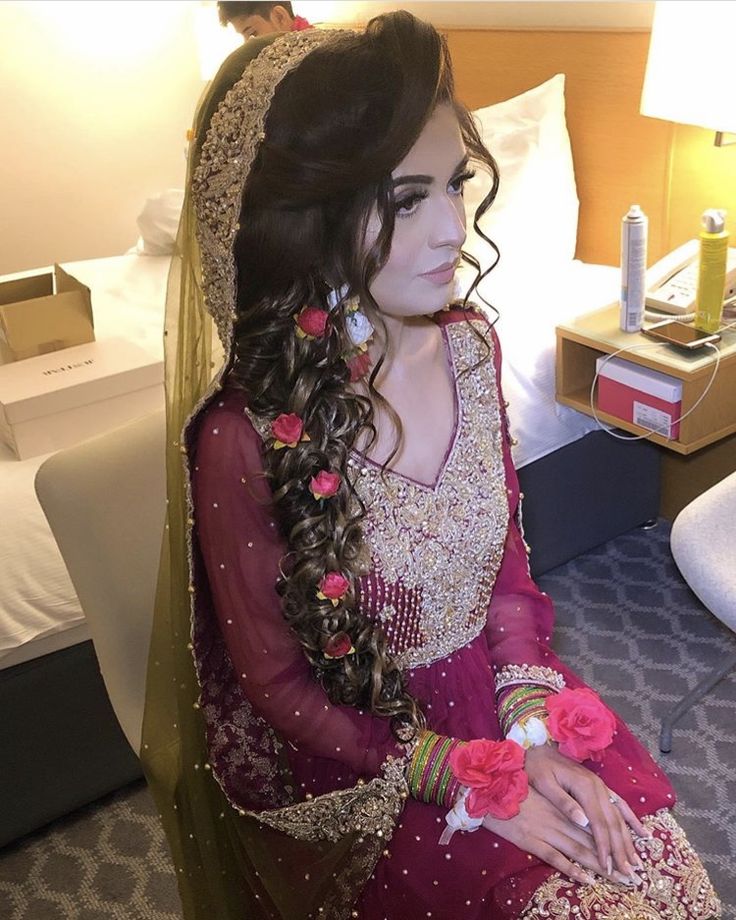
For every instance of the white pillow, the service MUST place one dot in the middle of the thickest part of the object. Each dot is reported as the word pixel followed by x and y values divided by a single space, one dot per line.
pixel 158 223
pixel 534 218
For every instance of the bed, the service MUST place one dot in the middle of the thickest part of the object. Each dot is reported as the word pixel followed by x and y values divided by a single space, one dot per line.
pixel 62 746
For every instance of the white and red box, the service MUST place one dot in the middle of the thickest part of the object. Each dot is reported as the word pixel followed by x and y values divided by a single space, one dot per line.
pixel 640 395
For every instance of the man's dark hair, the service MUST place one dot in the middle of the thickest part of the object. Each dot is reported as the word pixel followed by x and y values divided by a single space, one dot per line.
pixel 226 10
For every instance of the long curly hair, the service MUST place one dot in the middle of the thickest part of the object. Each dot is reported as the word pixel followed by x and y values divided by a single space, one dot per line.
pixel 337 127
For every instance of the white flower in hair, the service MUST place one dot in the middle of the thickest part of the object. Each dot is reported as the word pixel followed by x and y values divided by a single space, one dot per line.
pixel 336 297
pixel 359 327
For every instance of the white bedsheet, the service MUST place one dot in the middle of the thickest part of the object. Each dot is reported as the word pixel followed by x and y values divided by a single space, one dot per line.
pixel 37 600
pixel 530 307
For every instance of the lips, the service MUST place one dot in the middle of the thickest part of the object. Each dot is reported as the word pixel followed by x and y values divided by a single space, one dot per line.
pixel 443 274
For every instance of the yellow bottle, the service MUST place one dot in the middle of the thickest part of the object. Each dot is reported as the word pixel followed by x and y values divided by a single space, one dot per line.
pixel 712 271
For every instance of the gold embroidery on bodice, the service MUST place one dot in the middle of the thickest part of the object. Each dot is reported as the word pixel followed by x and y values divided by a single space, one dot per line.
pixel 436 550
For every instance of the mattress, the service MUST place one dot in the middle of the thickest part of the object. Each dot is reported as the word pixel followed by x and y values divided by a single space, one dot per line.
pixel 39 611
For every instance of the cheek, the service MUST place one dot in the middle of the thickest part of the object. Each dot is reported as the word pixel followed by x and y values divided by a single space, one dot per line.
pixel 460 207
pixel 405 249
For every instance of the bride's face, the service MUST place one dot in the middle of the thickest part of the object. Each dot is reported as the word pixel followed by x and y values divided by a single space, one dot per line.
pixel 429 230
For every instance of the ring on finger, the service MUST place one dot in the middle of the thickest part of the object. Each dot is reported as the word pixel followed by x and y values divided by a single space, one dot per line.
pixel 613 798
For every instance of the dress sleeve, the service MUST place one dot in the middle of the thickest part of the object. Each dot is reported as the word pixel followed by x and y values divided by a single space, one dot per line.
pixel 241 549
pixel 520 616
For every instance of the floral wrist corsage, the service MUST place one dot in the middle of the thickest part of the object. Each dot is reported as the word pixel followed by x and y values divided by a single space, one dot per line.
pixel 493 771
pixel 581 724
pixel 577 720
pixel 494 781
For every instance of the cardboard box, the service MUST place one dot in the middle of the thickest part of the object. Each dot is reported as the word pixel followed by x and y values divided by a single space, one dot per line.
pixel 43 313
pixel 59 399
pixel 640 395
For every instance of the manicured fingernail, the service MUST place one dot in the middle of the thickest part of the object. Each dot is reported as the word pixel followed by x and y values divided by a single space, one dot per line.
pixel 609 865
pixel 587 879
pixel 581 819
pixel 622 879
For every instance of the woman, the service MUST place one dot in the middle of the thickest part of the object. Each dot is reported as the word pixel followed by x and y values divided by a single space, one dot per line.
pixel 362 610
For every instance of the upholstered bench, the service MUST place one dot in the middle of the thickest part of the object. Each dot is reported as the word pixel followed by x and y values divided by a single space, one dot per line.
pixel 703 543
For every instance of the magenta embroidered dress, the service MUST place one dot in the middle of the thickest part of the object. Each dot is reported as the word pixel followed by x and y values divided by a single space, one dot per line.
pixel 450 584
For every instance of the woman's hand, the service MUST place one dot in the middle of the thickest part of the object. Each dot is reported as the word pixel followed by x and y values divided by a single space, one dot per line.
pixel 545 832
pixel 587 802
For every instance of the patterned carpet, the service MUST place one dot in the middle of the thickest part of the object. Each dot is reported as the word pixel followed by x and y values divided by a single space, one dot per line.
pixel 632 629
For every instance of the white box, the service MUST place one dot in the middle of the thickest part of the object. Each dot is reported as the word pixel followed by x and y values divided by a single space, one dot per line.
pixel 63 397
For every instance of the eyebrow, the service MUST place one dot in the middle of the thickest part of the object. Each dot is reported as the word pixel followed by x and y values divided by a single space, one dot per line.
pixel 427 180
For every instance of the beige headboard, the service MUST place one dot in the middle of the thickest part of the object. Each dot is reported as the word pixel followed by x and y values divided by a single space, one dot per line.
pixel 620 156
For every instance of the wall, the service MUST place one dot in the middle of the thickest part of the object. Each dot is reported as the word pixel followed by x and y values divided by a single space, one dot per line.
pixel 516 14
pixel 95 100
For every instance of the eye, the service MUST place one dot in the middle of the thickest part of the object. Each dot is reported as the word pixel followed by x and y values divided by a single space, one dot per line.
pixel 407 204
pixel 458 183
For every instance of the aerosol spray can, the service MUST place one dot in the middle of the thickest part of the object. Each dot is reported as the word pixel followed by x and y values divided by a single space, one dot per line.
pixel 633 268
pixel 711 271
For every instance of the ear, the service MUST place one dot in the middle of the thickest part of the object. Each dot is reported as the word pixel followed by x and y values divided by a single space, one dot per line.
pixel 280 18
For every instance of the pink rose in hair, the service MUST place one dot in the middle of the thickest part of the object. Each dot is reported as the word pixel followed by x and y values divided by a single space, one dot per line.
pixel 338 646
pixel 311 323
pixel 287 430
pixel 333 587
pixel 324 484
pixel 359 365
pixel 580 722
pixel 494 773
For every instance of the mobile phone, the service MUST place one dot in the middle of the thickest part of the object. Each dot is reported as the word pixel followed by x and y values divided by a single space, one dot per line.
pixel 680 334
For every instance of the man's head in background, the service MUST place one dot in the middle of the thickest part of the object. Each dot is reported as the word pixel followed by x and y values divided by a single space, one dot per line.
pixel 251 19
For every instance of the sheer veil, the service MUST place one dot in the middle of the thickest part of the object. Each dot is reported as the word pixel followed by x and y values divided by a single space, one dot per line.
pixel 229 863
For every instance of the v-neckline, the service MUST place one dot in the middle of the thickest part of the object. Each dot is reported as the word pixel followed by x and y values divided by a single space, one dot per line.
pixel 457 424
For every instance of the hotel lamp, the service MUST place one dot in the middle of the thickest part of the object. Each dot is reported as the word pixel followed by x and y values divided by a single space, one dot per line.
pixel 690 74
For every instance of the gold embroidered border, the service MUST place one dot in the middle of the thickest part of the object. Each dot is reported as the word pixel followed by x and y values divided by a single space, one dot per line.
pixel 442 545
pixel 674 885
pixel 512 674
pixel 369 809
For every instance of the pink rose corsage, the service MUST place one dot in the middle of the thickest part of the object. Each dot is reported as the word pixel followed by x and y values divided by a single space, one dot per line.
pixel 338 646
pixel 494 773
pixel 311 323
pixel 580 723
pixel 324 484
pixel 288 431
pixel 333 587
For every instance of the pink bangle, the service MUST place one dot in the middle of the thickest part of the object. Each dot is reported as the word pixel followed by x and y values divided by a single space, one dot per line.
pixel 429 775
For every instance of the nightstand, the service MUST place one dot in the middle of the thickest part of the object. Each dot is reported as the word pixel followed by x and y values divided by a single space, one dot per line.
pixel 710 429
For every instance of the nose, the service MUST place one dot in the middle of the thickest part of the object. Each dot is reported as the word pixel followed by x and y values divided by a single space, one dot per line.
pixel 449 224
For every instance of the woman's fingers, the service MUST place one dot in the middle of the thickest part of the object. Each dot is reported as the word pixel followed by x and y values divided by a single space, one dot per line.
pixel 590 805
pixel 630 818
pixel 551 789
pixel 624 835
pixel 557 860
pixel 542 830
pixel 583 787
pixel 614 846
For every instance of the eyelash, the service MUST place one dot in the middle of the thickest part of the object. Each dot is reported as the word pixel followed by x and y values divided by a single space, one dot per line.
pixel 405 206
pixel 462 179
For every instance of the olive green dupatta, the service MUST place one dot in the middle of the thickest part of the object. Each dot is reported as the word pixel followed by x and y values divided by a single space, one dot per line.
pixel 285 859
